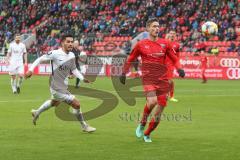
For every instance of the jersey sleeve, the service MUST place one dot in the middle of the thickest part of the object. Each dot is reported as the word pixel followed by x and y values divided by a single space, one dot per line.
pixel 172 54
pixel 178 50
pixel 73 65
pixel 78 74
pixel 46 57
pixel 133 55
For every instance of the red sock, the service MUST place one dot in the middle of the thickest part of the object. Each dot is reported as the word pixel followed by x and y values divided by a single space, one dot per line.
pixel 172 90
pixel 204 77
pixel 151 127
pixel 145 115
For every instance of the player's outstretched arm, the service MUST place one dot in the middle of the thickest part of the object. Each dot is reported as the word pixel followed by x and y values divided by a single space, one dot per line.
pixel 181 73
pixel 28 74
pixel 35 64
pixel 80 76
pixel 173 56
pixel 175 60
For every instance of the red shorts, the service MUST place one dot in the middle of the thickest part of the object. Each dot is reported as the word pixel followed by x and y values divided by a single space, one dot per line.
pixel 160 90
pixel 170 73
pixel 157 89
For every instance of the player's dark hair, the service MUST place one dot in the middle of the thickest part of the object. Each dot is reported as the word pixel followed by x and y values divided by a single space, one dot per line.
pixel 66 35
pixel 18 34
pixel 150 21
pixel 172 30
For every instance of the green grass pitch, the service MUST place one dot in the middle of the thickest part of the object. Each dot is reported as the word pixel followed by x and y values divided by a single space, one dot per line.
pixel 211 131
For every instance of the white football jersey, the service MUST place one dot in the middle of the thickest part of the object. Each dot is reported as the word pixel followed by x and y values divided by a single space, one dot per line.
pixel 62 64
pixel 17 51
pixel 59 57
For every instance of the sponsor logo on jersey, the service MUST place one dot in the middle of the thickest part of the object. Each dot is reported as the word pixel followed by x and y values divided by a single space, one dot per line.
pixel 158 54
pixel 163 45
pixel 147 47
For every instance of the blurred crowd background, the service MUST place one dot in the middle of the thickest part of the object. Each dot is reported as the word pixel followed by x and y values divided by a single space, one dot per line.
pixel 103 24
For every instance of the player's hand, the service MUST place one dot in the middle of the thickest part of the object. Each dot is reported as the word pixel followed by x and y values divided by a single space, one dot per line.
pixel 28 74
pixel 181 73
pixel 122 78
pixel 86 81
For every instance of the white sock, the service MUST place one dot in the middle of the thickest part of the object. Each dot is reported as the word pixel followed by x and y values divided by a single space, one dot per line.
pixel 19 83
pixel 78 114
pixel 13 84
pixel 45 106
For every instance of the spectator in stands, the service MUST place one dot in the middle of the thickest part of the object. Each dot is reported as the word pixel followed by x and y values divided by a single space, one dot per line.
pixel 200 46
pixel 231 34
pixel 82 40
pixel 195 35
pixel 116 17
pixel 238 50
pixel 127 47
pixel 215 50
pixel 232 47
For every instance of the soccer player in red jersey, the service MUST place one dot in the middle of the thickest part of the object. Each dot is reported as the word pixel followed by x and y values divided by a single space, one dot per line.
pixel 171 36
pixel 204 64
pixel 153 52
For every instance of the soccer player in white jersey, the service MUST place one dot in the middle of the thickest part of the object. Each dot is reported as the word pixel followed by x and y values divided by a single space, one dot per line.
pixel 63 63
pixel 16 52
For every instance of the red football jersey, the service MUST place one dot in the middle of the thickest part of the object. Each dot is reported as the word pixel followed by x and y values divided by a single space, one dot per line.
pixel 175 46
pixel 153 55
pixel 204 61
pixel 169 62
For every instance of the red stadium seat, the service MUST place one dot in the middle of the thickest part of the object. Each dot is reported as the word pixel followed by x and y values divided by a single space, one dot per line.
pixel 106 38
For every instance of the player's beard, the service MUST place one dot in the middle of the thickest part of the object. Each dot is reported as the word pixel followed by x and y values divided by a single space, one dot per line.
pixel 155 34
pixel 70 49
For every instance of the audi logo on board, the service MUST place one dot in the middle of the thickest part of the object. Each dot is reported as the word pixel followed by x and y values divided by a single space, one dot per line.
pixel 233 73
pixel 229 62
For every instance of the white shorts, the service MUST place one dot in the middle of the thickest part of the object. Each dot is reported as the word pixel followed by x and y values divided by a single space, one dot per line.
pixel 62 97
pixel 16 70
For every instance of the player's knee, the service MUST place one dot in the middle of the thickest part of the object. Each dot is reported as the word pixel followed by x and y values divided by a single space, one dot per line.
pixel 55 103
pixel 151 103
pixel 75 104
pixel 13 77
